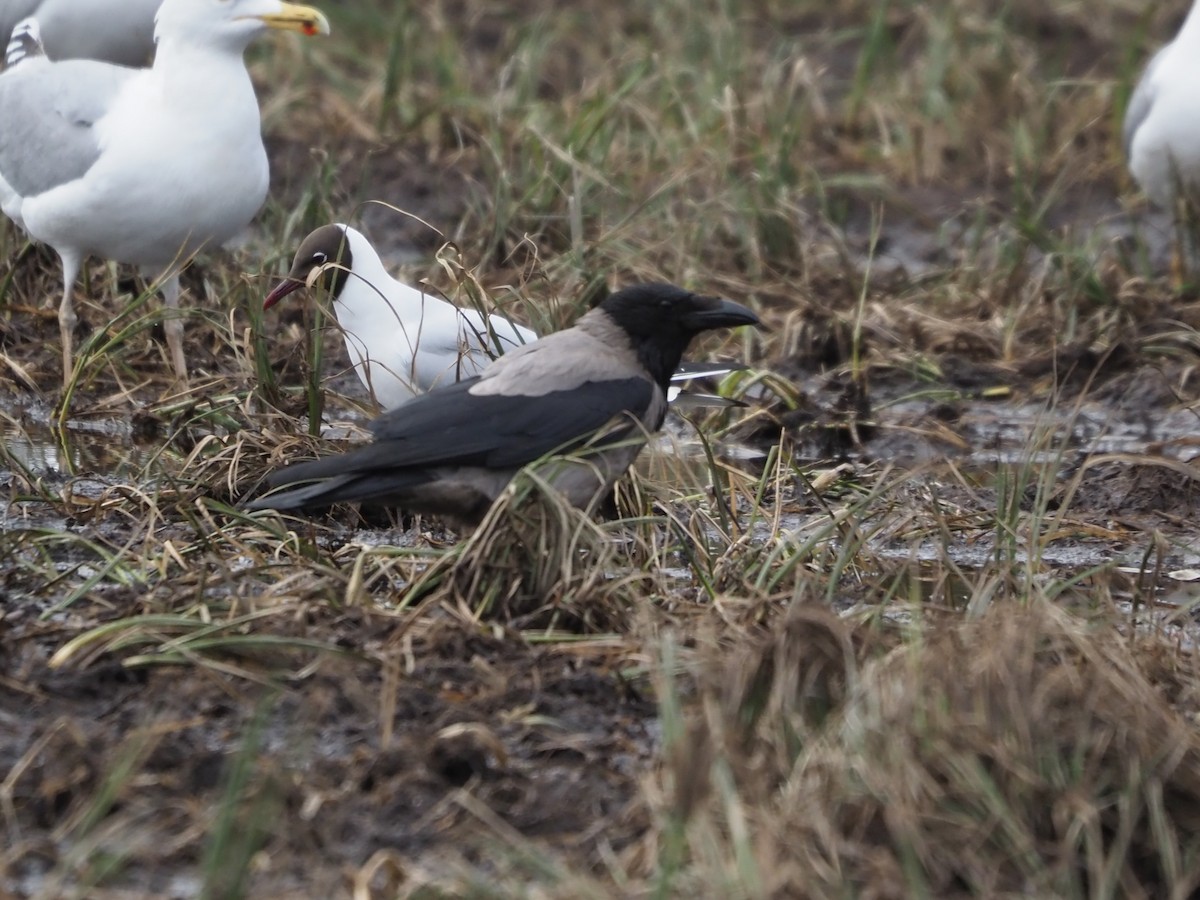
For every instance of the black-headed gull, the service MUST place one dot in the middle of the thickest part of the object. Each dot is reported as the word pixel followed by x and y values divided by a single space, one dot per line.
pixel 401 340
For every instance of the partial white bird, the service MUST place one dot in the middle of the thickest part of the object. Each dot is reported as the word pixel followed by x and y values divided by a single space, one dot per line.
pixel 403 341
pixel 115 31
pixel 1162 120
pixel 143 166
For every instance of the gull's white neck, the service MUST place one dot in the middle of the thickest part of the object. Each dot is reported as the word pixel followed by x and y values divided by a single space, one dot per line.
pixel 372 303
pixel 201 76
pixel 381 321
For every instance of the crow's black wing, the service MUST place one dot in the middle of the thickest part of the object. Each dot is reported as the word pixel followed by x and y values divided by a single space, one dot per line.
pixel 453 427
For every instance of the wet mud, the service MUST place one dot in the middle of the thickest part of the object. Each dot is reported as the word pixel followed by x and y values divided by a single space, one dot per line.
pixel 358 749
pixel 554 740
pixel 362 750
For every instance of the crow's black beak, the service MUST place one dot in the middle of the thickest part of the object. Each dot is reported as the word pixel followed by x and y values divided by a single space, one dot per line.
pixel 715 312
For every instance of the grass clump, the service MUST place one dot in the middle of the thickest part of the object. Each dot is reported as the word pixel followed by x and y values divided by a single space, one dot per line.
pixel 1029 751
pixel 537 562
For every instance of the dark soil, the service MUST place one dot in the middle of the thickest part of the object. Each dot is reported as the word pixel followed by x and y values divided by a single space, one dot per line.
pixel 552 742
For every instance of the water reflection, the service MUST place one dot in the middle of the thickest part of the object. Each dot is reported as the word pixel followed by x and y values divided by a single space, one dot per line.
pixel 31 447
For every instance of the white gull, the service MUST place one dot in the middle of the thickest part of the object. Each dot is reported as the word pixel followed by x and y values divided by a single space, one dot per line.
pixel 142 166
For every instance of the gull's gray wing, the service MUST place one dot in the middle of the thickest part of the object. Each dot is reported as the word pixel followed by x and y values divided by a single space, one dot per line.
pixel 119 32
pixel 1140 102
pixel 49 110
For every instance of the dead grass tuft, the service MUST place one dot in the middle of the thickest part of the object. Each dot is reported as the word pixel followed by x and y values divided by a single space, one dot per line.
pixel 536 562
pixel 1029 752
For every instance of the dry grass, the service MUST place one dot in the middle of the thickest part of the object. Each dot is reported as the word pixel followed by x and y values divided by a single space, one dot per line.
pixel 1026 751
pixel 916 645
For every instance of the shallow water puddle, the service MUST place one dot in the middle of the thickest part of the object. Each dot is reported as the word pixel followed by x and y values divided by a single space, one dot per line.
pixel 34 446
pixel 991 431
pixel 982 553
pixel 987 433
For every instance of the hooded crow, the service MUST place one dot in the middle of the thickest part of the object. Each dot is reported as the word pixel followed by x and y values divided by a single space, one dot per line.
pixel 597 390
pixel 403 341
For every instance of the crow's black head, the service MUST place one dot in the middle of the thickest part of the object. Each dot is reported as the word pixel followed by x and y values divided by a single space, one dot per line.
pixel 661 319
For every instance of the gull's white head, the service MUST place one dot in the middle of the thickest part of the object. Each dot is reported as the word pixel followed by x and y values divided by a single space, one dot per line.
pixel 233 23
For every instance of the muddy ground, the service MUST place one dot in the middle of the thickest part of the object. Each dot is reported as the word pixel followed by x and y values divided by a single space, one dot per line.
pixel 389 758
pixel 552 742
pixel 389 754
pixel 359 743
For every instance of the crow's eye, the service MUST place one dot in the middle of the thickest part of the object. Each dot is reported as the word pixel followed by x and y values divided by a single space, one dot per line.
pixel 319 258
